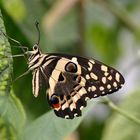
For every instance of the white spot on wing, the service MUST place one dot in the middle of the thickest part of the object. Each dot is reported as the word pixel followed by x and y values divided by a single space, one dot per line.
pixel 109 78
pixel 101 88
pixel 106 73
pixel 92 61
pixel 103 92
pixel 89 89
pixel 87 98
pixel 93 76
pixel 87 77
pixel 118 77
pixel 115 84
pixel 75 114
pixel 104 80
pixel 90 66
pixel 103 68
pixel 92 88
pixel 108 86
pixel 81 107
pixel 66 117
pixel 95 95
pixel 74 59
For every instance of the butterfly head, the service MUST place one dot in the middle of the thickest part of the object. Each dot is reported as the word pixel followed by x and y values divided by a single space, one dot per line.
pixel 34 52
pixel 33 56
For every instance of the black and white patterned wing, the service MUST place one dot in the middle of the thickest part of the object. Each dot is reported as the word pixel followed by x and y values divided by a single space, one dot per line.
pixel 74 80
pixel 100 78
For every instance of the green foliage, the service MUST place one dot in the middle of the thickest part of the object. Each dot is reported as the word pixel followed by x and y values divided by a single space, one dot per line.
pixel 11 110
pixel 119 127
pixel 10 7
pixel 104 39
pixel 51 127
pixel 24 117
pixel 6 63
pixel 6 130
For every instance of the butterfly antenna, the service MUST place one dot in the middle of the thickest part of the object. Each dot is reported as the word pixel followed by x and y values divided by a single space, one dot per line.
pixel 37 27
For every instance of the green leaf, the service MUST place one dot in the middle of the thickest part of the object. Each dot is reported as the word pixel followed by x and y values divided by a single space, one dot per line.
pixel 6 131
pixel 11 109
pixel 104 40
pixel 5 63
pixel 10 6
pixel 120 128
pixel 51 127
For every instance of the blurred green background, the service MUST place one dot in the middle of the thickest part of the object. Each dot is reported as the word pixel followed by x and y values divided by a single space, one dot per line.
pixel 105 30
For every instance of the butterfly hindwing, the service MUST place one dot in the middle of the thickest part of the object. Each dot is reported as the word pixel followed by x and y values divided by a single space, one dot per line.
pixel 62 84
pixel 74 80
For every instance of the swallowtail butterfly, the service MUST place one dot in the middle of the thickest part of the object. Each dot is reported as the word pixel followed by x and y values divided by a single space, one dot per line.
pixel 72 80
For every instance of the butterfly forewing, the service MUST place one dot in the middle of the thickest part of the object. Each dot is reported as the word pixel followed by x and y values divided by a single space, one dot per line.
pixel 74 80
pixel 100 78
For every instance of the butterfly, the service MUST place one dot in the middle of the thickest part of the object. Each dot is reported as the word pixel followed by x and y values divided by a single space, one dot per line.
pixel 72 80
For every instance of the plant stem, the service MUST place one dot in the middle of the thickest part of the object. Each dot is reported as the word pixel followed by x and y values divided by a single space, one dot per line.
pixel 120 111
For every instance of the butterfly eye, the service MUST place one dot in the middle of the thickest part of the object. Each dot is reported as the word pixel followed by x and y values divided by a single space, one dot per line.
pixel 55 101
pixel 71 67
pixel 35 47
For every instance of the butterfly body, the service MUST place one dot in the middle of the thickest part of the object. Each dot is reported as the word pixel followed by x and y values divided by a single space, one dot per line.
pixel 72 80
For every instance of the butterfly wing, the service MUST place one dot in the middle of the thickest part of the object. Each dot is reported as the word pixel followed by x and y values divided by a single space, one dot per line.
pixel 100 78
pixel 74 80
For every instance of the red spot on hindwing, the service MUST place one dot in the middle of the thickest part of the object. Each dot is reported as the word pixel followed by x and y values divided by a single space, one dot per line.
pixel 56 105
